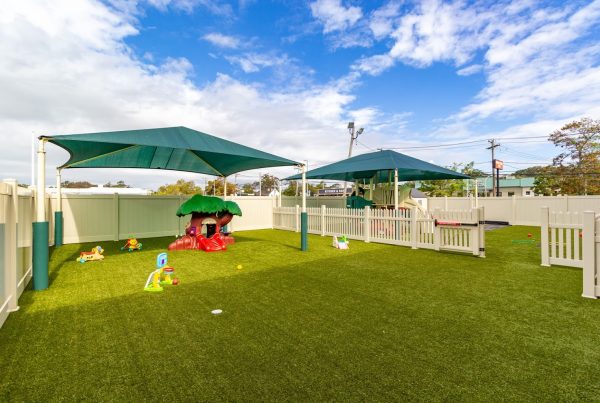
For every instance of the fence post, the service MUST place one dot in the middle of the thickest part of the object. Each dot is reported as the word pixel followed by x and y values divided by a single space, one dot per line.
pixel 437 233
pixel 414 228
pixel 297 218
pixel 481 227
pixel 323 209
pixel 545 222
pixel 116 216
pixel 589 252
pixel 12 240
pixel 367 229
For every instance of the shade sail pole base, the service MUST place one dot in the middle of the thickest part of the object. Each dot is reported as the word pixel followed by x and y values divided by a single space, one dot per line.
pixel 41 226
pixel 303 215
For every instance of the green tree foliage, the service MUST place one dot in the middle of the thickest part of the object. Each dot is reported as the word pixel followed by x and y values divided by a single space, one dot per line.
pixel 451 187
pixel 119 184
pixel 215 188
pixel 248 189
pixel 531 171
pixel 547 182
pixel 267 184
pixel 181 187
pixel 77 185
pixel 579 163
pixel 291 189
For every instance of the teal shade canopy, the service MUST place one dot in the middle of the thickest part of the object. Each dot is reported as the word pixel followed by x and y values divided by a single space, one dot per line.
pixel 172 148
pixel 381 164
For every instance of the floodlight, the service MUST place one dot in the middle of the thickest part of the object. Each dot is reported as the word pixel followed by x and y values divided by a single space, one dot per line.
pixel 360 131
pixel 350 125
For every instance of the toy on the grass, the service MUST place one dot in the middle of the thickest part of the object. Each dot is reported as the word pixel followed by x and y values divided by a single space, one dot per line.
pixel 205 229
pixel 239 267
pixel 132 244
pixel 95 254
pixel 341 243
pixel 163 275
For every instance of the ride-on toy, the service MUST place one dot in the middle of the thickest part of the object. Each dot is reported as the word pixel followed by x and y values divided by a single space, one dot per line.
pixel 132 244
pixel 95 254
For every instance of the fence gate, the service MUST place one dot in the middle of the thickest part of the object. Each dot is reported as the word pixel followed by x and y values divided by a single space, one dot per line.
pixel 572 239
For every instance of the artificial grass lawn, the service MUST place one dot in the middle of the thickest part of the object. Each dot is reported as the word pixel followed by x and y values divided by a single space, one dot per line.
pixel 376 322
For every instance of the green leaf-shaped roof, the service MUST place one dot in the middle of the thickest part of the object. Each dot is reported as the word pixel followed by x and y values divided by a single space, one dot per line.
pixel 208 205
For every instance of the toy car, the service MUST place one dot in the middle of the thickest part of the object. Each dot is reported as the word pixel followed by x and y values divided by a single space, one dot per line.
pixel 95 254
pixel 132 244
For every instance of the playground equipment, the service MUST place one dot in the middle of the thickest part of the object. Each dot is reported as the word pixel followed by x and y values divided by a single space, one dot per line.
pixel 205 229
pixel 341 243
pixel 94 254
pixel 163 275
pixel 132 244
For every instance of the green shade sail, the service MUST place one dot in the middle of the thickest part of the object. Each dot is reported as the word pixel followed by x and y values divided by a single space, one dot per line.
pixel 208 205
pixel 172 148
pixel 381 163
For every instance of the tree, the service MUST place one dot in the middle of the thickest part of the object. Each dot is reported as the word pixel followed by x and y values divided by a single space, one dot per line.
pixel 291 189
pixel 451 187
pixel 77 185
pixel 119 184
pixel 531 171
pixel 248 188
pixel 579 163
pixel 181 187
pixel 215 187
pixel 267 184
pixel 547 182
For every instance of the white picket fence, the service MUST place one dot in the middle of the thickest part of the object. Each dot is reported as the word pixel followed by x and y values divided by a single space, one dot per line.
pixel 436 230
pixel 573 239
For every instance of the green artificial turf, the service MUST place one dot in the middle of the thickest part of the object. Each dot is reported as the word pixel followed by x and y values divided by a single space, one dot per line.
pixel 372 323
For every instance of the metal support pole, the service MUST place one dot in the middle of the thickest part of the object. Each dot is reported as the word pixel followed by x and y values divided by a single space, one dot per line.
pixel 396 189
pixel 40 226
pixel 58 214
pixel 303 215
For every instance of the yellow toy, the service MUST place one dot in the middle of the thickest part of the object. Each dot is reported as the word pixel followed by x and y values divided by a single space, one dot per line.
pixel 163 275
pixel 95 254
pixel 132 244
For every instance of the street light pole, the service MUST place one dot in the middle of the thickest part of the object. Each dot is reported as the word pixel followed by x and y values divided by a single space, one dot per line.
pixel 353 136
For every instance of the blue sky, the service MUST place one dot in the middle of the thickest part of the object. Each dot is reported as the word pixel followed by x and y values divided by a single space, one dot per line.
pixel 287 76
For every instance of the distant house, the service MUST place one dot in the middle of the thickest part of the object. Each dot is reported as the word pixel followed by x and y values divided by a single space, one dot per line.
pixel 508 186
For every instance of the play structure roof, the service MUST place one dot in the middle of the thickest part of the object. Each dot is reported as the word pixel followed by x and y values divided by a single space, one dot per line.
pixel 173 148
pixel 208 205
pixel 381 163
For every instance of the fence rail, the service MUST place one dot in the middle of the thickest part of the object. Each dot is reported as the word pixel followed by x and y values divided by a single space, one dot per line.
pixel 517 210
pixel 459 231
pixel 573 239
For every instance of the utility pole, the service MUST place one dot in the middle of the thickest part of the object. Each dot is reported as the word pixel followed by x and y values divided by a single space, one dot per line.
pixel 259 184
pixel 492 147
pixel 353 136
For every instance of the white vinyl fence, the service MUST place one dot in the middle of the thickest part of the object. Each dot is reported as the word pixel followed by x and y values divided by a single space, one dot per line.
pixel 16 212
pixel 91 218
pixel 517 210
pixel 573 239
pixel 440 230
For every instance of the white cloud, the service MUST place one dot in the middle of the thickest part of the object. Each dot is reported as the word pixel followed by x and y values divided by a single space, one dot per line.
pixel 221 40
pixel 334 15
pixel 472 69
pixel 214 6
pixel 66 69
pixel 254 62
